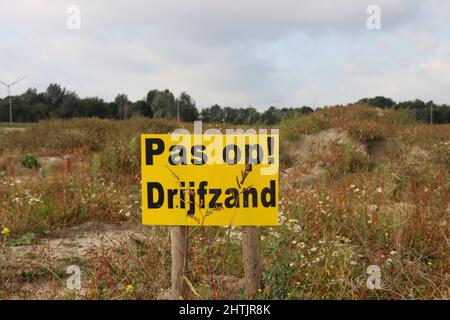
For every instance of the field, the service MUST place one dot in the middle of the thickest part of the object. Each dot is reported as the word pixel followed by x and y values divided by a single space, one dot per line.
pixel 360 186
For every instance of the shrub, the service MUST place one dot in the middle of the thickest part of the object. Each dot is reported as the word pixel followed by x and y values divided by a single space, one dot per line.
pixel 29 161
pixel 292 128
pixel 363 122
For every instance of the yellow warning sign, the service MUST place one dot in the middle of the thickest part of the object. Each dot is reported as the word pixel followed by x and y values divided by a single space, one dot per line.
pixel 210 179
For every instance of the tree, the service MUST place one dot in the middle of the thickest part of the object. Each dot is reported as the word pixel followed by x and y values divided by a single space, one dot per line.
pixel 30 97
pixel 111 110
pixel 243 116
pixel 142 108
pixel 54 96
pixel 271 116
pixel 163 105
pixel 416 104
pixel 252 116
pixel 93 107
pixel 123 106
pixel 4 110
pixel 205 115
pixel 217 113
pixel 379 102
pixel 70 106
pixel 38 112
pixel 188 110
pixel 306 110
pixel 150 96
pixel 229 115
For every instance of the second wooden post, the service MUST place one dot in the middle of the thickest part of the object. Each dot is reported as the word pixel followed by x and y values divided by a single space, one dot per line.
pixel 252 263
pixel 179 239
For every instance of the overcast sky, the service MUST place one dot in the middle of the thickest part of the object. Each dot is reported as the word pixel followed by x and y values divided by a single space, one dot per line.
pixel 237 53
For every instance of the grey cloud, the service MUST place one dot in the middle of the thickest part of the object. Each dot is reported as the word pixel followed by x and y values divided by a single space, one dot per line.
pixel 212 48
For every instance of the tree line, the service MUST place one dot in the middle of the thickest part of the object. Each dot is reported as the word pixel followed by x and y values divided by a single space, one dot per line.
pixel 421 109
pixel 56 102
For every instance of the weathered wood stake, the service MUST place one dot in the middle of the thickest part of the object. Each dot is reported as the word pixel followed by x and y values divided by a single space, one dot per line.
pixel 252 265
pixel 66 164
pixel 178 235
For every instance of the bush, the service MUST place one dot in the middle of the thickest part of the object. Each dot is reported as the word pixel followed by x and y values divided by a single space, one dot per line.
pixel 29 161
pixel 292 128
pixel 363 122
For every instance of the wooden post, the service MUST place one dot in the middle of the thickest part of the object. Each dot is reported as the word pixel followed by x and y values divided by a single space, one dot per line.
pixel 178 235
pixel 66 164
pixel 252 265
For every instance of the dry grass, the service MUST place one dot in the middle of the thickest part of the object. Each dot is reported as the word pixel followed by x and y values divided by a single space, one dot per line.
pixel 358 211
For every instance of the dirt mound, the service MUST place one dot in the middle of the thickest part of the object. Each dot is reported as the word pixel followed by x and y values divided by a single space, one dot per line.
pixel 314 150
pixel 300 150
pixel 312 177
pixel 312 155
pixel 380 150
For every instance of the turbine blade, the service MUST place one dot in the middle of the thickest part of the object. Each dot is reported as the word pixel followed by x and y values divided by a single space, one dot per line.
pixel 18 81
pixel 4 83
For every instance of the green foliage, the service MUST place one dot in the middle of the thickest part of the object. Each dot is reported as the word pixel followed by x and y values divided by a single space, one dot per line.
pixel 58 102
pixel 379 102
pixel 163 105
pixel 363 122
pixel 278 272
pixel 250 116
pixel 420 109
pixel 293 127
pixel 213 114
pixel 188 110
pixel 271 116
pixel 96 165
pixel 29 161
pixel 26 239
pixel 123 106
pixel 54 95
pixel 401 117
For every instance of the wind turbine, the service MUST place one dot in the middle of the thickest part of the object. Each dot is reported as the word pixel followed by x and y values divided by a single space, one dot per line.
pixel 9 94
